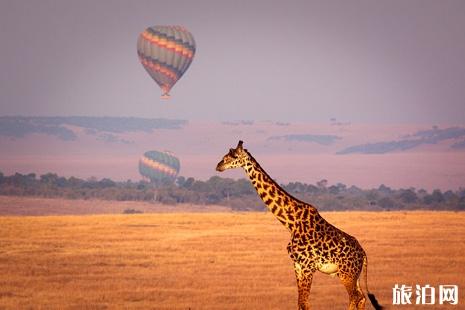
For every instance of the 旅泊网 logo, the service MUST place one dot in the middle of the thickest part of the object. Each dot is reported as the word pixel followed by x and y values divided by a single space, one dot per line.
pixel 425 295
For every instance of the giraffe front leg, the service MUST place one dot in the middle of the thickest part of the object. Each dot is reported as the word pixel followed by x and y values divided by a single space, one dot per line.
pixel 304 283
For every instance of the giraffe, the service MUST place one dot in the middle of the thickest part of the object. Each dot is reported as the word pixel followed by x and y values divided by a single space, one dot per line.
pixel 315 244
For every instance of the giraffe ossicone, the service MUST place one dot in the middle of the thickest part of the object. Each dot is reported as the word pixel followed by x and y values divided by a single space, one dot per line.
pixel 315 244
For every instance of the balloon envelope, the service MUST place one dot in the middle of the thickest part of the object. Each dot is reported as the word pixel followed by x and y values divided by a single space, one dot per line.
pixel 166 52
pixel 159 166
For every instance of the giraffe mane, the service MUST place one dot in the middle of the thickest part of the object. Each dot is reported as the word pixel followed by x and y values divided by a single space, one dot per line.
pixel 279 187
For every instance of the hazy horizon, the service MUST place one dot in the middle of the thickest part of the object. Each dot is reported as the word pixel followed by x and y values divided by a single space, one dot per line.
pixel 399 156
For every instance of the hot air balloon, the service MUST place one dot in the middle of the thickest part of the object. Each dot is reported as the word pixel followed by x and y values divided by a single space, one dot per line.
pixel 159 167
pixel 166 52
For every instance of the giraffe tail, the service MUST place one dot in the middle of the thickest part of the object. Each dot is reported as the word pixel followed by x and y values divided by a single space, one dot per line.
pixel 371 296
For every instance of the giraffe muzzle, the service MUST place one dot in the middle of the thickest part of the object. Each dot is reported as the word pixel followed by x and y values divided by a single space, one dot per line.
pixel 220 167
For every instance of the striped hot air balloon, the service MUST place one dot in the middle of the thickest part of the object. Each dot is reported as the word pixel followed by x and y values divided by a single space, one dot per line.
pixel 166 52
pixel 159 167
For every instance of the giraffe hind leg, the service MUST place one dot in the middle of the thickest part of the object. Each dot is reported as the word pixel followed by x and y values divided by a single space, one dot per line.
pixel 356 297
pixel 362 300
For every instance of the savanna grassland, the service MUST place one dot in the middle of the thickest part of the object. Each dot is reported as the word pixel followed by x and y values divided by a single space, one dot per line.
pixel 210 260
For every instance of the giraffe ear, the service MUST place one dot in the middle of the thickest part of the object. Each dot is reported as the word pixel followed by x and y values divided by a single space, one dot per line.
pixel 239 145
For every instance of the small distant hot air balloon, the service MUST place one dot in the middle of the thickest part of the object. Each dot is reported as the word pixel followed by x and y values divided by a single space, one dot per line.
pixel 159 167
pixel 166 52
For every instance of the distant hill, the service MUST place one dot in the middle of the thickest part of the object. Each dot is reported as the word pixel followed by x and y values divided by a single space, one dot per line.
pixel 20 126
pixel 422 137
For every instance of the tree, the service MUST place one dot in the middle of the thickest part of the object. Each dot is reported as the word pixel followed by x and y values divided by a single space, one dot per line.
pixel 334 190
pixel 75 182
pixel 450 196
pixel 386 203
pixel 61 182
pixel 189 182
pixel 49 178
pixel 322 184
pixel 462 203
pixel 105 183
pixel 244 187
pixel 312 189
pixel 408 196
pixel 428 199
pixel 142 185
pixel 180 181
pixel 372 195
pixel 437 196
pixel 385 189
pixel 342 187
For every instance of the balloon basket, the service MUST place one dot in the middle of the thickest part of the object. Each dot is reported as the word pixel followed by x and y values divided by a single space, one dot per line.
pixel 165 96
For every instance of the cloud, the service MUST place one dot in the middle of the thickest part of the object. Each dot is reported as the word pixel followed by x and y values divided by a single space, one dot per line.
pixel 18 126
pixel 320 139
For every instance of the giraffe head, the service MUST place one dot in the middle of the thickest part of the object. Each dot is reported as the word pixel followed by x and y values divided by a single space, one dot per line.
pixel 234 158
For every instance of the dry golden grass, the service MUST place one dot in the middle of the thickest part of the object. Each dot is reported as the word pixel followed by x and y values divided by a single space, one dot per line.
pixel 210 260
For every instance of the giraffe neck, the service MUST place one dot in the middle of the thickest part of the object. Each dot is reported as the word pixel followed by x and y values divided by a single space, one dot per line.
pixel 280 203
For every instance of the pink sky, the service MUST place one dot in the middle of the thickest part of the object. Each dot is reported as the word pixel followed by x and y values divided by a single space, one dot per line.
pixel 309 61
